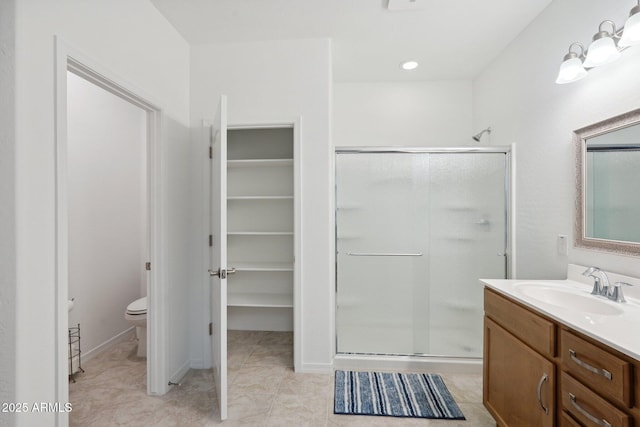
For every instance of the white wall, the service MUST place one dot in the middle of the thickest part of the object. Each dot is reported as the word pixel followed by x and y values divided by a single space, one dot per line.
pixel 274 81
pixel 154 59
pixel 7 208
pixel 435 113
pixel 107 139
pixel 518 96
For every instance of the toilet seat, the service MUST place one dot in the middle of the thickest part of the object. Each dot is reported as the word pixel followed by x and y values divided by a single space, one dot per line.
pixel 138 307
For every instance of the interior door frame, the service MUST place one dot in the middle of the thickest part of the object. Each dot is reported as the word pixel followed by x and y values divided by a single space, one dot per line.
pixel 68 59
pixel 296 125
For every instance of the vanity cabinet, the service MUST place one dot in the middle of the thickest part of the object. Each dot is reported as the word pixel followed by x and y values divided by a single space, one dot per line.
pixel 540 372
pixel 519 381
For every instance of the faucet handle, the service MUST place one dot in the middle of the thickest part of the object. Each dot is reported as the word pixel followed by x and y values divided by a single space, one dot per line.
pixel 596 286
pixel 616 293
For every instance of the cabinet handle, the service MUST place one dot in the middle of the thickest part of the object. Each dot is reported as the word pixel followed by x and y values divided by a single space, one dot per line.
pixel 599 421
pixel 598 371
pixel 544 378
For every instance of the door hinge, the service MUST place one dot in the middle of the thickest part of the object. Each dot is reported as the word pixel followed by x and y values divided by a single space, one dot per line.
pixel 210 328
pixel 210 152
pixel 147 266
pixel 210 240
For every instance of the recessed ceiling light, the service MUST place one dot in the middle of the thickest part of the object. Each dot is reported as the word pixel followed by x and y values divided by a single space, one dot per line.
pixel 409 65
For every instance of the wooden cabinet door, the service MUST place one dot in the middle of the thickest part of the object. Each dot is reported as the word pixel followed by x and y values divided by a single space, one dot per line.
pixel 519 384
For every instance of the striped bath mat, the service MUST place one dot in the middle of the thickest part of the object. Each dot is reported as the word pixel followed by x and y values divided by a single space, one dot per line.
pixel 394 395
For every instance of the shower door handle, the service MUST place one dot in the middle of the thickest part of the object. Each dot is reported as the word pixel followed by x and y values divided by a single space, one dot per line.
pixel 501 254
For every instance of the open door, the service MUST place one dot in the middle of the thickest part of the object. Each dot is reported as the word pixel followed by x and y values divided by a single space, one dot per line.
pixel 218 264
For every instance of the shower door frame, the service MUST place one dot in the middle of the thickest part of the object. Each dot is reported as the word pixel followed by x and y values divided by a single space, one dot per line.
pixel 509 193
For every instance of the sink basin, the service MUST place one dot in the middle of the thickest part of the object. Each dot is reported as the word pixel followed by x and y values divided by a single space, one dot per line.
pixel 569 298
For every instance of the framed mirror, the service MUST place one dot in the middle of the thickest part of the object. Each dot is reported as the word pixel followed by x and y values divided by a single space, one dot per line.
pixel 608 185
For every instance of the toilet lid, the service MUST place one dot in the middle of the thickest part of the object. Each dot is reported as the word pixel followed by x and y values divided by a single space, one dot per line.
pixel 139 306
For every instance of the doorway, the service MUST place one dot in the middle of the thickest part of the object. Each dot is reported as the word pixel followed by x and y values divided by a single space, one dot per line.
pixel 71 63
pixel 108 216
pixel 254 206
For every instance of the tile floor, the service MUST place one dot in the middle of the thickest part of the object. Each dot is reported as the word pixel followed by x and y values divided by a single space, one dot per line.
pixel 263 391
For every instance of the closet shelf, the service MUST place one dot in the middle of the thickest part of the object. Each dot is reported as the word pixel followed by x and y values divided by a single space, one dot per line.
pixel 259 233
pixel 260 300
pixel 261 266
pixel 348 207
pixel 460 208
pixel 247 163
pixel 458 238
pixel 259 197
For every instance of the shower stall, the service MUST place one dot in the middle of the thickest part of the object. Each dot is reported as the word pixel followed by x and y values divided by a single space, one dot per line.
pixel 415 230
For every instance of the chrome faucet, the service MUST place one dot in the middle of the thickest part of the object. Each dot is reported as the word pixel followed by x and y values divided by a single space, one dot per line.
pixel 600 284
pixel 602 287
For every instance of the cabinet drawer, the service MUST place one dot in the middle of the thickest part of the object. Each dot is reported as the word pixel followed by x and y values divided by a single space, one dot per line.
pixel 567 421
pixel 588 408
pixel 597 368
pixel 537 332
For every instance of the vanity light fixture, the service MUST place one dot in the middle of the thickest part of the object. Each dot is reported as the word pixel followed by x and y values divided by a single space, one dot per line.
pixel 572 69
pixel 409 65
pixel 605 48
pixel 631 34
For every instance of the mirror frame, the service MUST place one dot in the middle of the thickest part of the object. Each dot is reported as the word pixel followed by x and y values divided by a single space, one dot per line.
pixel 580 137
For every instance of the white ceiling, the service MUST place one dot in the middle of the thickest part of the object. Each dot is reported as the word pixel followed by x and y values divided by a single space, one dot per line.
pixel 451 39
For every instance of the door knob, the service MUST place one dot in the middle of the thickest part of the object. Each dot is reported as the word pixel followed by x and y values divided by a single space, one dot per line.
pixel 221 272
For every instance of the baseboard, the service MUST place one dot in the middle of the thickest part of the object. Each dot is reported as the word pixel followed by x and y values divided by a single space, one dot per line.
pixel 88 355
pixel 177 376
pixel 198 364
pixel 315 368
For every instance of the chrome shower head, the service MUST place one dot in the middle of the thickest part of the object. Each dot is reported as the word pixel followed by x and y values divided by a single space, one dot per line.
pixel 477 136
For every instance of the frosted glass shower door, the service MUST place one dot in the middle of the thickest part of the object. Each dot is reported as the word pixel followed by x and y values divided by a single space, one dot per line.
pixel 468 240
pixel 414 233
pixel 382 251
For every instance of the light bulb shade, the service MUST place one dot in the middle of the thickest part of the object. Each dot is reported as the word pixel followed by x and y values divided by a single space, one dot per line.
pixel 602 51
pixel 571 70
pixel 631 34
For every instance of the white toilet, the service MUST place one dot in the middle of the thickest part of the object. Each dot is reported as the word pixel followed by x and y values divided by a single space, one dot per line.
pixel 136 315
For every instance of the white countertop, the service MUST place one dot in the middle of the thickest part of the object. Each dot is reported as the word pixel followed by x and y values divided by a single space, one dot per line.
pixel 620 331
